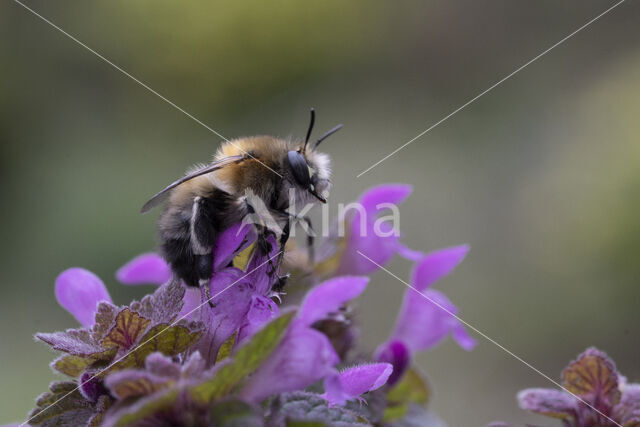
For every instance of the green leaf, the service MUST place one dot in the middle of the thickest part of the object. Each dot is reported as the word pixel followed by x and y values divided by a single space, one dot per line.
pixel 235 413
pixel 417 416
pixel 74 366
pixel 137 387
pixel 246 359
pixel 412 388
pixel 144 408
pixel 62 405
pixel 169 340
pixel 226 348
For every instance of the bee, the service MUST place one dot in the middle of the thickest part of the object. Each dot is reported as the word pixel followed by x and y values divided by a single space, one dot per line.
pixel 209 199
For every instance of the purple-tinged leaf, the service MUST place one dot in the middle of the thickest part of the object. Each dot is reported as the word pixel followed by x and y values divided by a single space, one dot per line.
pixel 163 338
pixel 133 383
pixel 78 342
pixel 63 405
pixel 154 409
pixel 159 364
pixel 308 409
pixel 593 376
pixel 128 329
pixel 101 407
pixel 627 412
pixel 163 305
pixel 105 319
pixel 549 402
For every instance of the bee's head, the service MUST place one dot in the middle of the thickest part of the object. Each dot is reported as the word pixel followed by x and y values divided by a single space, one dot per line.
pixel 310 169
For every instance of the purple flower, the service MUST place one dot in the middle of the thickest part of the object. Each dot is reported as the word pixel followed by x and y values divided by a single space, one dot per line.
pixel 305 355
pixel 603 398
pixel 79 291
pixel 151 268
pixel 241 299
pixel 350 383
pixel 425 317
pixel 147 268
pixel 366 232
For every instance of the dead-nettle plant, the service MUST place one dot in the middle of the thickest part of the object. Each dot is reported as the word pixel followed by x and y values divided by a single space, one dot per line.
pixel 258 358
pixel 593 394
pixel 384 215
pixel 255 358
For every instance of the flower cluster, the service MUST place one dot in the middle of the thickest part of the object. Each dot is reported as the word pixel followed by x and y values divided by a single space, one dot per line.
pixel 251 359
pixel 594 394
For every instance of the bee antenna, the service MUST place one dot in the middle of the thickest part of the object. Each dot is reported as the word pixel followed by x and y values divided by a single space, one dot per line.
pixel 311 123
pixel 327 135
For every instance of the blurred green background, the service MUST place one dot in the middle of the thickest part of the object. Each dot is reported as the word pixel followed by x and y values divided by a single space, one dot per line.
pixel 541 176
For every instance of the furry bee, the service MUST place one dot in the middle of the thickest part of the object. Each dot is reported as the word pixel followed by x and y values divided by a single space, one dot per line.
pixel 209 199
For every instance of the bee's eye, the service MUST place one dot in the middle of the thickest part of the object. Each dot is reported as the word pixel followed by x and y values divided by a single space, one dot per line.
pixel 299 168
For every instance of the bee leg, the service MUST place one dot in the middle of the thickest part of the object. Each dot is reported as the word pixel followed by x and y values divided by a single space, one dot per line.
pixel 204 265
pixel 284 237
pixel 264 247
pixel 310 241
pixel 202 240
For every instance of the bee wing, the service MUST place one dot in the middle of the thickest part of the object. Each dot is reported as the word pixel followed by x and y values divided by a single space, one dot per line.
pixel 219 164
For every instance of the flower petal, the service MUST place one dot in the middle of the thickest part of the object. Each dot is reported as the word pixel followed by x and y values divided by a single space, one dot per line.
pixel 192 302
pixel 408 253
pixel 351 383
pixel 302 358
pixel 261 310
pixel 549 402
pixel 436 265
pixel 147 268
pixel 231 296
pixel 386 193
pixel 397 354
pixel 79 291
pixel 329 297
pixel 426 320
pixel 462 337
pixel 361 237
pixel 232 241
